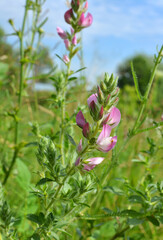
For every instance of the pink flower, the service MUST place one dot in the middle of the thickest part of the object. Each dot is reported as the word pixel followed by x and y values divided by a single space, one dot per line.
pixel 80 120
pixel 61 33
pixel 105 142
pixel 74 40
pixel 113 117
pixel 66 59
pixel 68 15
pixel 162 117
pixel 92 98
pixel 90 163
pixel 67 44
pixel 85 21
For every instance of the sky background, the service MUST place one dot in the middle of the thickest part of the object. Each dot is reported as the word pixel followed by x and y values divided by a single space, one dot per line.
pixel 120 29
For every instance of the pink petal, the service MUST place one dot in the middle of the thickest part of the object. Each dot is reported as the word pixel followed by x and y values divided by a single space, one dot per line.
pixel 67 43
pixel 68 15
pixel 61 33
pixel 94 161
pixel 74 40
pixel 93 97
pixel 66 59
pixel 85 21
pixel 105 133
pixel 107 144
pixel 80 120
pixel 113 117
pixel 88 167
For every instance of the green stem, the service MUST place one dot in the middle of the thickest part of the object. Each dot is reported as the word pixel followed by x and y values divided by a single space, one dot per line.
pixel 59 188
pixel 119 234
pixel 21 37
pixel 146 95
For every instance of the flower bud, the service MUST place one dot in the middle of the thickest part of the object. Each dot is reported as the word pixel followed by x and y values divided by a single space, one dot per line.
pixel 85 21
pixel 74 40
pixel 86 130
pixel 67 44
pixel 75 5
pixel 103 87
pixel 61 33
pixel 69 16
pixel 101 113
pixel 66 59
pixel 100 95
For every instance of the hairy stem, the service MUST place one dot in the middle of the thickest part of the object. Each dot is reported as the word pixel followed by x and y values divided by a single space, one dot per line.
pixel 21 38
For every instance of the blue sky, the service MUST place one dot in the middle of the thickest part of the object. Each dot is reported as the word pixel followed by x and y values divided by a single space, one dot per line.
pixel 119 30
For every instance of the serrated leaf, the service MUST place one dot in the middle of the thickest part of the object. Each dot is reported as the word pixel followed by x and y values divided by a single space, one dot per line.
pixel 153 220
pixel 43 181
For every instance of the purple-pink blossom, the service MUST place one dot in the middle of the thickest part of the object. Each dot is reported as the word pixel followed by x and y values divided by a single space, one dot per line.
pixel 113 117
pixel 74 40
pixel 67 44
pixel 80 120
pixel 61 33
pixel 66 59
pixel 104 142
pixel 68 15
pixel 85 21
pixel 92 98
pixel 90 163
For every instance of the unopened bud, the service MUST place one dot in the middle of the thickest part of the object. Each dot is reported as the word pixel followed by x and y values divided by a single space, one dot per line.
pixel 103 87
pixel 106 78
pixel 101 113
pixel 100 95
pixel 86 130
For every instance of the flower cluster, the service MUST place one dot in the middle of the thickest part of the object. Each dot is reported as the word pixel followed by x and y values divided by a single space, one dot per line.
pixel 105 116
pixel 75 16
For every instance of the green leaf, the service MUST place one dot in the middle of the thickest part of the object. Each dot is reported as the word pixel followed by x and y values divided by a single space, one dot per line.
pixel 131 213
pixel 72 79
pixel 81 69
pixel 114 190
pixel 24 176
pixel 43 181
pixel 35 236
pixel 71 140
pixel 107 210
pixel 136 83
pixel 34 218
pixel 60 58
pixel 136 199
pixel 67 233
pixel 153 220
pixel 135 221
